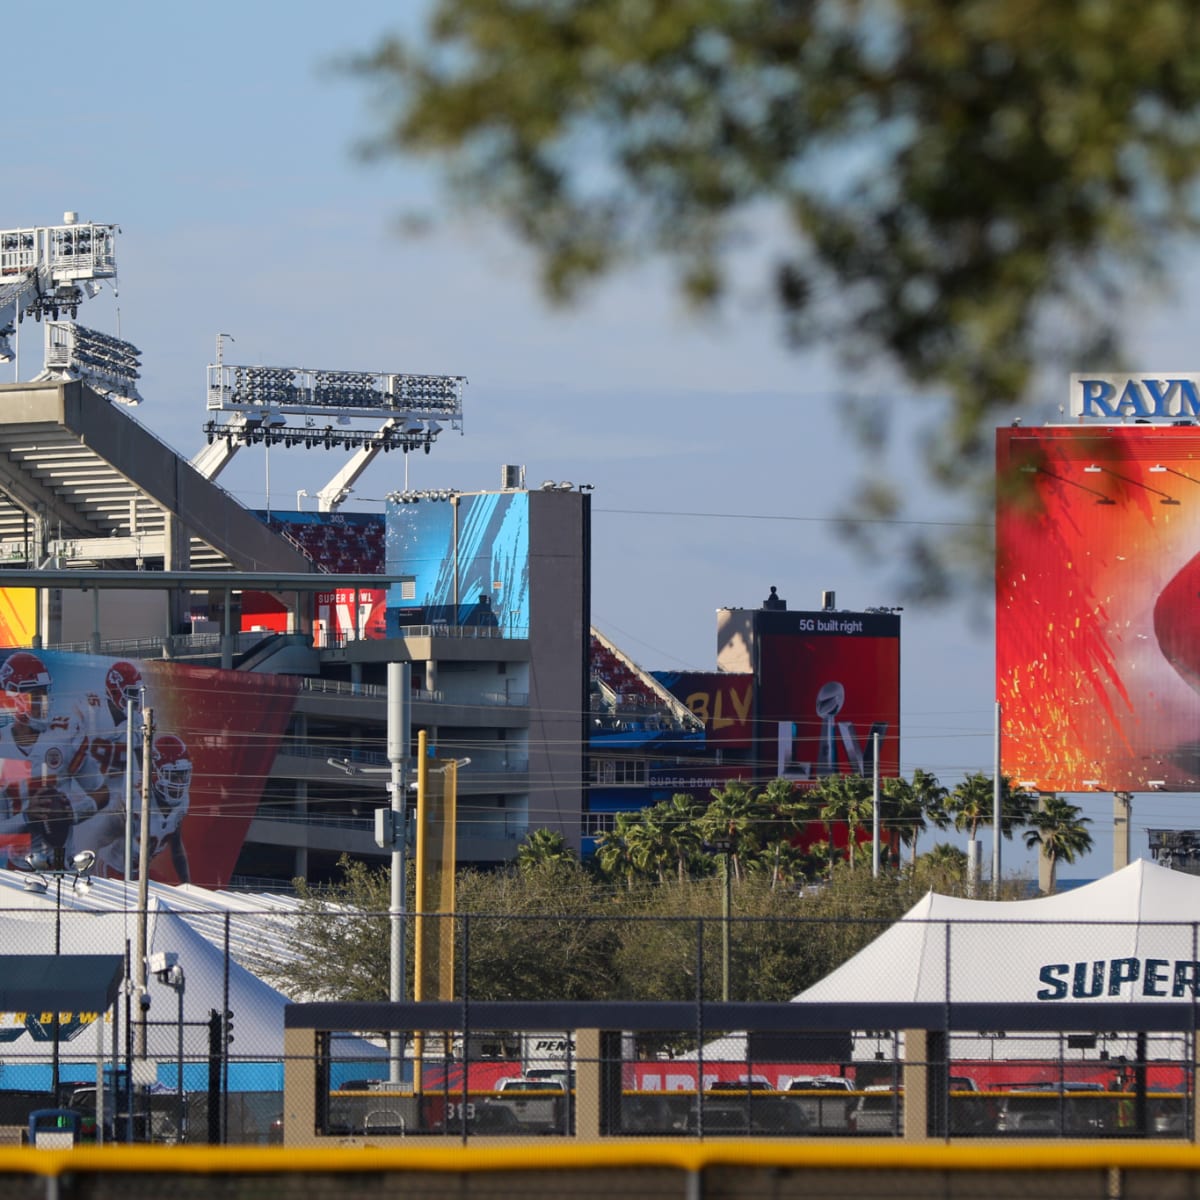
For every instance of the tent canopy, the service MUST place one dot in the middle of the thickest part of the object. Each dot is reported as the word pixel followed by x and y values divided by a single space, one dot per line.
pixel 1133 935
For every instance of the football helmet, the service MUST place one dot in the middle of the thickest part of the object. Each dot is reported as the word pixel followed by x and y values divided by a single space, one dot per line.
pixel 172 770
pixel 26 682
pixel 122 683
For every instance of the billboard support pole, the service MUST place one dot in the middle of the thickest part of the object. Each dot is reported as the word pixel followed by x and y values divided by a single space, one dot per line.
pixel 997 790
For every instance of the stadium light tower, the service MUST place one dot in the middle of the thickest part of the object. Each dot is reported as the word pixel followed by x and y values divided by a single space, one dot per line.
pixel 317 409
pixel 46 271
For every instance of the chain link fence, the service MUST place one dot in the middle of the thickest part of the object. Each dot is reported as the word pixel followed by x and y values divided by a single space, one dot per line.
pixel 219 1029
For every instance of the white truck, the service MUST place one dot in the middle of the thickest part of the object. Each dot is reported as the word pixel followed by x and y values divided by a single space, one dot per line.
pixel 548 1055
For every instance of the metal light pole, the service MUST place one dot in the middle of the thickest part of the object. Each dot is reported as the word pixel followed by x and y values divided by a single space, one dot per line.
pixel 997 815
pixel 875 806
pixel 399 742
pixel 139 962
pixel 391 833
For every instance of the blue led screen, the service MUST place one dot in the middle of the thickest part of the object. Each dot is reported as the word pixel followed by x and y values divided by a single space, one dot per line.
pixel 468 563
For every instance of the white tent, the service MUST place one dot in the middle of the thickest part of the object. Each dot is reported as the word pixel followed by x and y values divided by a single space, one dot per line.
pixel 1132 935
pixel 186 922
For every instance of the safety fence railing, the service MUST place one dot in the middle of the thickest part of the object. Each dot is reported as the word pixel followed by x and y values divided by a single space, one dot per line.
pixel 734 1169
pixel 1098 1042
pixel 583 1070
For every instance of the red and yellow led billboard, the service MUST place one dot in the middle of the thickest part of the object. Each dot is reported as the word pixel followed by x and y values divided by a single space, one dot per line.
pixel 1098 606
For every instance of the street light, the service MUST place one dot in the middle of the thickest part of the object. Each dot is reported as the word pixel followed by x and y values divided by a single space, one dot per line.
pixel 391 833
pixel 39 866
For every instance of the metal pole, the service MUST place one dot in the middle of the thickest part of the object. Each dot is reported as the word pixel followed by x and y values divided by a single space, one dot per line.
pixel 130 760
pixel 139 965
pixel 399 744
pixel 875 806
pixel 182 982
pixel 725 912
pixel 54 1065
pixel 996 815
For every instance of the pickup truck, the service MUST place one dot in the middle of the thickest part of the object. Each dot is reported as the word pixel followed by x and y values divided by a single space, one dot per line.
pixel 827 1101
pixel 539 1105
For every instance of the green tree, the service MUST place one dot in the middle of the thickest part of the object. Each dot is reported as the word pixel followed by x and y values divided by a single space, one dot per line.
pixel 1058 829
pixel 540 934
pixel 650 844
pixel 942 869
pixel 614 854
pixel 338 945
pixel 954 187
pixel 542 847
pixel 729 819
pixel 679 817
pixel 972 805
pixel 848 799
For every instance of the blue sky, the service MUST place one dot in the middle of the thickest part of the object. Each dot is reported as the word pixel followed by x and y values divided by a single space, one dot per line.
pixel 221 140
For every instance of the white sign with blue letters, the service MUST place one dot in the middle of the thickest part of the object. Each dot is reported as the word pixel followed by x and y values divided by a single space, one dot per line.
pixel 1147 396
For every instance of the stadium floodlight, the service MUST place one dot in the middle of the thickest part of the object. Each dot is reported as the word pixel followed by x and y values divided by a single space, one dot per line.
pixel 50 270
pixel 105 363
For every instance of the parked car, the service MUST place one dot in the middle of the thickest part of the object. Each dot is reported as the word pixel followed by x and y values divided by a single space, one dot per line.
pixel 753 1113
pixel 1167 1110
pixel 746 1083
pixel 559 1075
pixel 827 1101
pixel 970 1111
pixel 539 1105
pixel 1067 1109
pixel 880 1109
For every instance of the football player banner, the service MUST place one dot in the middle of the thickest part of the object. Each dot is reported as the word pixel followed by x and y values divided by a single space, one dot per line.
pixel 66 770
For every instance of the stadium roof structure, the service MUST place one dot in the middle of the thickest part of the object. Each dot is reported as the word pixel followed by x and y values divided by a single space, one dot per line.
pixel 107 493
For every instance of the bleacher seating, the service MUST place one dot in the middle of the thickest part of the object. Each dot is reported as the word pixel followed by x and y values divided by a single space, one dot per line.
pixel 351 544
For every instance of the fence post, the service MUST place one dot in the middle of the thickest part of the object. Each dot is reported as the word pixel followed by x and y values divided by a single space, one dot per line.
pixel 699 1026
pixel 466 1022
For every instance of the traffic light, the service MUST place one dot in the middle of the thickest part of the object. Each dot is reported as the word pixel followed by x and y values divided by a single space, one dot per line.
pixel 228 1026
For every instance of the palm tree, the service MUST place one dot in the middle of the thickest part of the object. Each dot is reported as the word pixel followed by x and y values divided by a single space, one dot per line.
pixel 782 861
pixel 727 820
pixel 972 804
pixel 1059 828
pixel 613 853
pixel 649 842
pixel 680 820
pixel 542 847
pixel 931 796
pixel 846 798
pixel 903 817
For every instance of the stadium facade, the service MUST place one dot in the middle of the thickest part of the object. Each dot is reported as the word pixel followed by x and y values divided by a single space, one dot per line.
pixel 236 631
